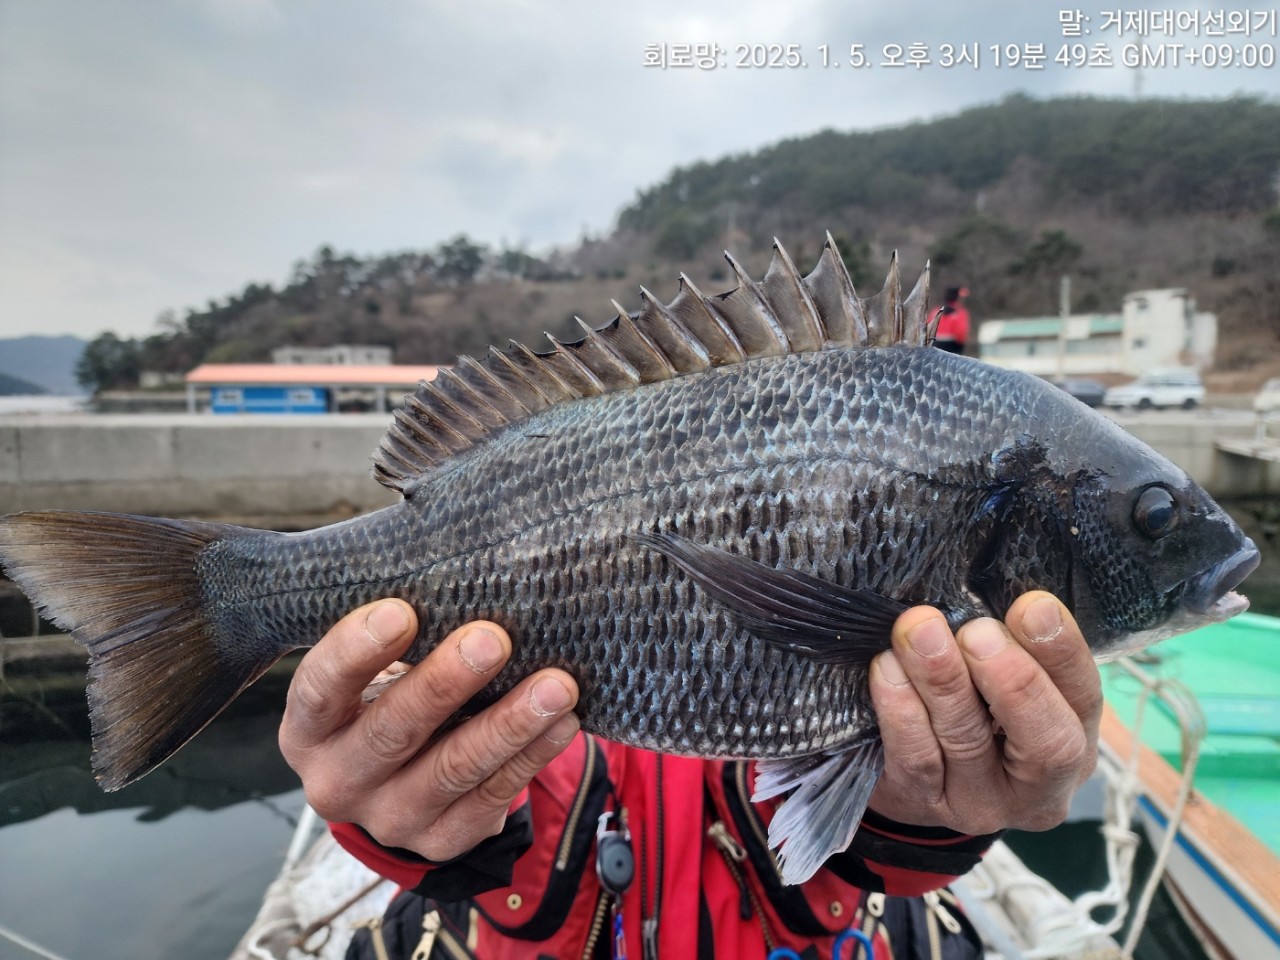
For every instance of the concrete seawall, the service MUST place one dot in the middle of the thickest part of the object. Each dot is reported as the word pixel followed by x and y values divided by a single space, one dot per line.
pixel 318 466
pixel 184 465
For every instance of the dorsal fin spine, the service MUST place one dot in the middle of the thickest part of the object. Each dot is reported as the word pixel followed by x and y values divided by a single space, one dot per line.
pixel 915 311
pixel 784 312
pixel 628 328
pixel 429 426
pixel 810 318
pixel 504 396
pixel 484 409
pixel 506 369
pixel 656 316
pixel 591 385
pixel 705 309
pixel 541 376
pixel 449 410
pixel 759 331
pixel 599 340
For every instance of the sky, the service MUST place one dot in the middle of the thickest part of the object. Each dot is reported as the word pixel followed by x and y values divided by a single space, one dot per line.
pixel 155 156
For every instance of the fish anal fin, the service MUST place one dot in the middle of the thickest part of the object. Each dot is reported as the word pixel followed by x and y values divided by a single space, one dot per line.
pixel 808 616
pixel 829 793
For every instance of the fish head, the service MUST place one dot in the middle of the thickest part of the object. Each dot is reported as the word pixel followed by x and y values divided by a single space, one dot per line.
pixel 1152 555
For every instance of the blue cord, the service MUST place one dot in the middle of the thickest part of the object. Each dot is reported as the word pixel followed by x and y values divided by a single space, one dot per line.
pixel 786 953
pixel 853 934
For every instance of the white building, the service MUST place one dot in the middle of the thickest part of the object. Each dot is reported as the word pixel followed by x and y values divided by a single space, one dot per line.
pixel 342 354
pixel 1155 328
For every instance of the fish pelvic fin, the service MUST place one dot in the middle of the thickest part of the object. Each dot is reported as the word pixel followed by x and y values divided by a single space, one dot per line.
pixel 829 794
pixel 783 313
pixel 128 588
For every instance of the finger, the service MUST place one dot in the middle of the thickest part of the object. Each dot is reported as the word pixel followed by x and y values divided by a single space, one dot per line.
pixel 913 767
pixel 1045 746
pixel 471 754
pixel 397 725
pixel 453 832
pixel 927 650
pixel 1047 630
pixel 326 689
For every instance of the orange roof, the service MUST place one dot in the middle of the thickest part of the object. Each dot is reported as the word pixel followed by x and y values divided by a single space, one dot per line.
pixel 324 374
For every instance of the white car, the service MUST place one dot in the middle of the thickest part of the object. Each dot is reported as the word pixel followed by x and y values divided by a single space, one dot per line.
pixel 1178 387
pixel 1268 398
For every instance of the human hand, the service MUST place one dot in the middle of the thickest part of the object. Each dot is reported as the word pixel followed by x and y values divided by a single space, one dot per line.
pixel 990 728
pixel 365 763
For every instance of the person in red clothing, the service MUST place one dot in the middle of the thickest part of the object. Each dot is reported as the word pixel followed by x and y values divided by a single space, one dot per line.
pixel 506 830
pixel 953 321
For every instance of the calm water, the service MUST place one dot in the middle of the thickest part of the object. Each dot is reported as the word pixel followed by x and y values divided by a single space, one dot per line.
pixel 41 403
pixel 175 866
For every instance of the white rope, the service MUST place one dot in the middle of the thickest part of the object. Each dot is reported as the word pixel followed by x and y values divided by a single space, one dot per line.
pixel 1120 843
pixel 1063 928
pixel 1191 725
pixel 29 945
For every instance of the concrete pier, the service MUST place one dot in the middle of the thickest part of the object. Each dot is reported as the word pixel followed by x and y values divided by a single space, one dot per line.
pixel 192 465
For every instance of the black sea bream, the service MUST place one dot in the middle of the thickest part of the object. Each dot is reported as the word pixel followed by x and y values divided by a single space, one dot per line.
pixel 709 512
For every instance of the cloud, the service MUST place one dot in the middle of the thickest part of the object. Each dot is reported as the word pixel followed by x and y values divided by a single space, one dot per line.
pixel 159 155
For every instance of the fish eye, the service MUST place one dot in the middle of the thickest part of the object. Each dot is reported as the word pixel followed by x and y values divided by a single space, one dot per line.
pixel 1156 513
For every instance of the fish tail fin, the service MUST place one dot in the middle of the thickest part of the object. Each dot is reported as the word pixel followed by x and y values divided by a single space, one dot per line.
pixel 821 816
pixel 128 588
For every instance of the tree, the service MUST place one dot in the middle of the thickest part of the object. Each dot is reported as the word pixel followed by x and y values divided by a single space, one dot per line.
pixel 108 363
pixel 1054 252
pixel 459 260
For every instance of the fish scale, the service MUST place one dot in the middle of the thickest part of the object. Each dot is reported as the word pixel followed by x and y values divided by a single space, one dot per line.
pixel 647 645
pixel 710 513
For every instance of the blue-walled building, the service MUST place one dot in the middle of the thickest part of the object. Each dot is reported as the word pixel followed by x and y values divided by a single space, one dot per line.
pixel 269 400
pixel 280 388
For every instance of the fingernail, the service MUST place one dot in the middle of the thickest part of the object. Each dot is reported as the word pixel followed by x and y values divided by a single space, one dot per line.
pixel 480 649
pixel 563 730
pixel 983 638
pixel 1042 620
pixel 891 670
pixel 386 623
pixel 929 639
pixel 548 697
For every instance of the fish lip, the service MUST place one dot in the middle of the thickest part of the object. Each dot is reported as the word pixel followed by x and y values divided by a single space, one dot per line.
pixel 1213 592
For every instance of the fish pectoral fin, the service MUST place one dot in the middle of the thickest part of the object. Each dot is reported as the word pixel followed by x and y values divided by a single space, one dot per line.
pixel 810 617
pixel 830 792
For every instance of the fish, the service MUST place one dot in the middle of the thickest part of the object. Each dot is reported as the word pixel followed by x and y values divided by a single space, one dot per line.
pixel 710 512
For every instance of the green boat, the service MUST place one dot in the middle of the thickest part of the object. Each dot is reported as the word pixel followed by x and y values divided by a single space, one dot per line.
pixel 1209 702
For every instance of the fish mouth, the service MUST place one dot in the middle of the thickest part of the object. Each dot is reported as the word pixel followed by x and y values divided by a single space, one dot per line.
pixel 1212 593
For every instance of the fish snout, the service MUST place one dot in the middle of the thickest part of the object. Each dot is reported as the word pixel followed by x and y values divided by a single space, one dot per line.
pixel 1209 589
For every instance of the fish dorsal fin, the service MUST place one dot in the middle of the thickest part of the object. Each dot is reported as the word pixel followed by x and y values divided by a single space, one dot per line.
pixel 780 314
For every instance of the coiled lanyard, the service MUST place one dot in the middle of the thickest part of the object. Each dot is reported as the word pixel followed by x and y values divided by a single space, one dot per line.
pixel 861 939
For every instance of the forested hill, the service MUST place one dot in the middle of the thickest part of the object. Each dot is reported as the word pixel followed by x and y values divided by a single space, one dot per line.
pixel 14 386
pixel 1004 199
pixel 1138 159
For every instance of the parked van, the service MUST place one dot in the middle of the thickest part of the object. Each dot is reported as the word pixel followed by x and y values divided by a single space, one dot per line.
pixel 1175 387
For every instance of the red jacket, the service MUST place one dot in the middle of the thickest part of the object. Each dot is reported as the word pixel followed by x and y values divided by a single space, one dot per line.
pixel 702 867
